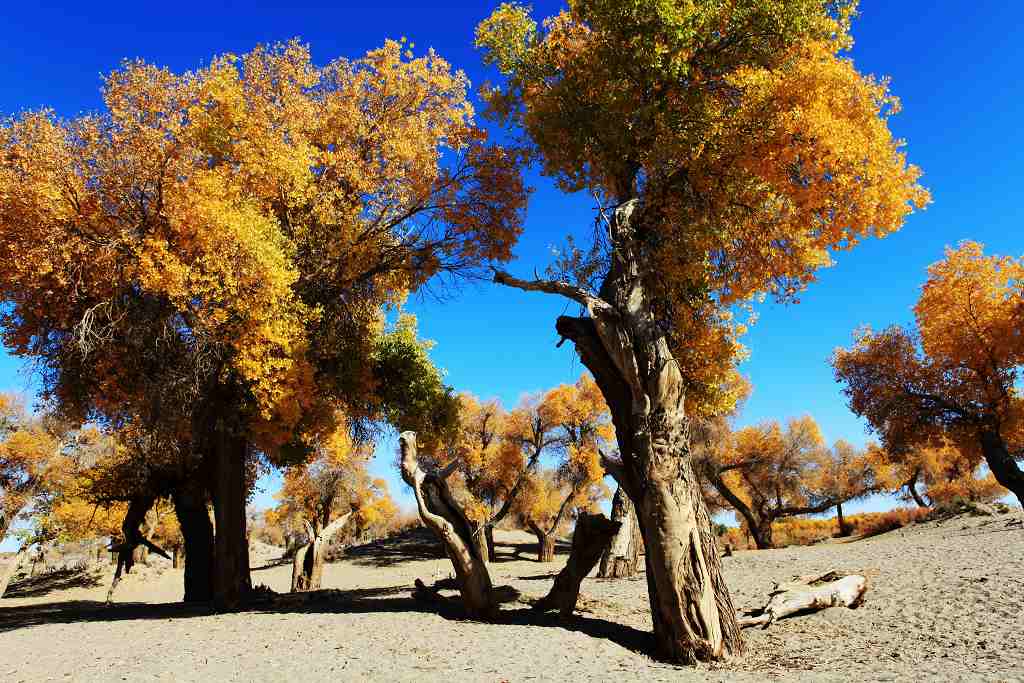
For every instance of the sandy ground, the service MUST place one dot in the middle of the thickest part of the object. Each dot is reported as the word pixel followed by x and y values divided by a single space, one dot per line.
pixel 944 603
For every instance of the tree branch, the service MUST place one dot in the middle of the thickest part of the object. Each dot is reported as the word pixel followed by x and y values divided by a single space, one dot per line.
pixel 577 294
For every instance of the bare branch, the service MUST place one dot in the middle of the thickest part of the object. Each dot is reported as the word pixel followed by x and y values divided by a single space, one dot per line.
pixel 577 294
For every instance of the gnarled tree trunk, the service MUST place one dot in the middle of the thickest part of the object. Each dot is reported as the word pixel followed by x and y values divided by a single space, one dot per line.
pixel 1003 466
pixel 623 344
pixel 133 537
pixel 442 515
pixel 196 529
pixel 589 539
pixel 308 563
pixel 621 558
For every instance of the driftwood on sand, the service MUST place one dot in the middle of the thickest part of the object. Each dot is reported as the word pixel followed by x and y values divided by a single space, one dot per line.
pixel 807 594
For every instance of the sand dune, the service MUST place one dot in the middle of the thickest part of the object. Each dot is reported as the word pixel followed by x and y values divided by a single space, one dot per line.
pixel 944 603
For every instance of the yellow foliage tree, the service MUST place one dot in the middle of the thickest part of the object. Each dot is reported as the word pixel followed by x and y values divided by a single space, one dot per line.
pixel 212 251
pixel 954 378
pixel 731 146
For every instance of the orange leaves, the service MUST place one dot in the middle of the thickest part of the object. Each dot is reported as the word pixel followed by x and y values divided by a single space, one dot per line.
pixel 250 218
pixel 959 376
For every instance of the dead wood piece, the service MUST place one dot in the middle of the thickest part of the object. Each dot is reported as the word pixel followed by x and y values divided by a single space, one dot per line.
pixel 805 594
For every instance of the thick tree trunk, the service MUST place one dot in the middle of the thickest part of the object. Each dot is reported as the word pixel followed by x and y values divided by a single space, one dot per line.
pixel 1002 464
pixel 196 529
pixel 623 343
pixel 762 534
pixel 844 528
pixel 621 559
pixel 480 542
pixel 545 544
pixel 590 538
pixel 442 515
pixel 231 578
pixel 489 536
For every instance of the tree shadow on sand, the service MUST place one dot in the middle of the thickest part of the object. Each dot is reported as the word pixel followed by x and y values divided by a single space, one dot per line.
pixel 358 601
pixel 58 580
pixel 421 544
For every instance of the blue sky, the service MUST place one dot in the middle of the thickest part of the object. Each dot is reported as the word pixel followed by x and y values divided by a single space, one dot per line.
pixel 956 66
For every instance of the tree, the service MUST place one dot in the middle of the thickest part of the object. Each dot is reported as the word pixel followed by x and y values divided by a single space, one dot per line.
pixel 954 377
pixel 724 166
pixel 323 495
pixel 622 556
pixel 212 252
pixel 846 474
pixel 944 471
pixel 766 473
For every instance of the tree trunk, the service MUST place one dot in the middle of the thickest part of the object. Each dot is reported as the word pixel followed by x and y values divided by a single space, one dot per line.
pixel 197 531
pixel 480 541
pixel 1002 464
pixel 590 538
pixel 545 544
pixel 489 536
pixel 762 534
pixel 621 559
pixel 624 345
pixel 231 579
pixel 844 528
pixel 12 568
pixel 912 488
pixel 308 563
pixel 442 515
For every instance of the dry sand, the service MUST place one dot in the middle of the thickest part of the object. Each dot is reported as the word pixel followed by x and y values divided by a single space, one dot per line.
pixel 944 603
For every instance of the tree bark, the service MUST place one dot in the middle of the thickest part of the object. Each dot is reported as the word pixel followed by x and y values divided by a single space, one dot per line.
pixel 625 347
pixel 442 515
pixel 1003 466
pixel 809 593
pixel 231 578
pixel 196 529
pixel 480 541
pixel 590 538
pixel 621 559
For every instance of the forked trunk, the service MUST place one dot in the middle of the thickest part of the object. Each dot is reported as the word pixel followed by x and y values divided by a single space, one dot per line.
pixel 196 529
pixel 231 579
pixel 621 559
pixel 1002 464
pixel 589 539
pixel 442 515
pixel 308 563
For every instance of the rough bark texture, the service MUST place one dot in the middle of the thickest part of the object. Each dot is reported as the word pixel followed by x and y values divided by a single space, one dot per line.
pixel 621 559
pixel 808 593
pixel 231 579
pixel 592 535
pixel 308 563
pixel 196 529
pixel 624 346
pixel 442 515
pixel 1002 464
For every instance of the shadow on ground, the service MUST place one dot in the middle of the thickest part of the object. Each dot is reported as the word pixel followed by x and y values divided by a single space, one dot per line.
pixel 44 584
pixel 358 601
pixel 421 544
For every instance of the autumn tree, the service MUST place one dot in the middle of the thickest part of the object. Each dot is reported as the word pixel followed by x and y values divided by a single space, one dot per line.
pixel 954 377
pixel 212 252
pixel 846 473
pixel 325 495
pixel 766 473
pixel 935 474
pixel 724 166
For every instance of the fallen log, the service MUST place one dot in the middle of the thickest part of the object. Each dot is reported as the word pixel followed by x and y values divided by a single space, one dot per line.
pixel 807 594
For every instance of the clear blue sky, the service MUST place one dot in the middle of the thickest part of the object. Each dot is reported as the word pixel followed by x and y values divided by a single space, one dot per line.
pixel 957 67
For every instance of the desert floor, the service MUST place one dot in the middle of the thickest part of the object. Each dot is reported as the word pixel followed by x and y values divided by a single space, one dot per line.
pixel 944 603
